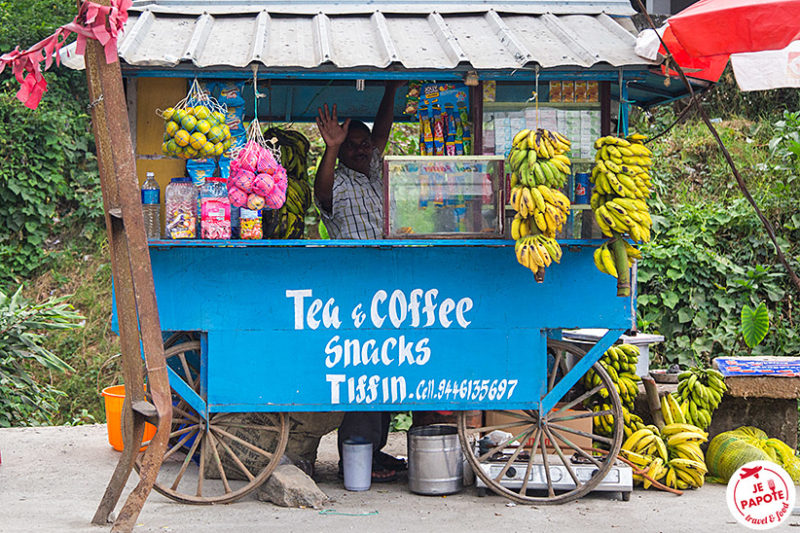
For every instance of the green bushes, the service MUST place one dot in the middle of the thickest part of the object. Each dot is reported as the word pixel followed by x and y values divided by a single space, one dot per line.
pixel 24 401
pixel 48 180
pixel 710 255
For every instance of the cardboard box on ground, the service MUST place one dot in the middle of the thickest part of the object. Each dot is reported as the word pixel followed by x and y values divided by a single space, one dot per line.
pixel 497 418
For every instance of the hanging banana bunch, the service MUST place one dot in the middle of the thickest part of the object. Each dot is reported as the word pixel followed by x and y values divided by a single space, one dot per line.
pixel 288 222
pixel 621 178
pixel 539 168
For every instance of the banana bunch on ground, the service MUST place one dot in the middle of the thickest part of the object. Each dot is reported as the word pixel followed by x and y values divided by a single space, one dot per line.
pixel 698 396
pixel 294 151
pixel 540 209
pixel 537 157
pixel 620 364
pixel 686 468
pixel 672 455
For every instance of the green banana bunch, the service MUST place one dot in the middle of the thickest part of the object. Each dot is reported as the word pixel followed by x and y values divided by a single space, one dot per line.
pixel 282 223
pixel 699 394
pixel 298 197
pixel 537 158
pixel 620 364
pixel 294 151
pixel 622 183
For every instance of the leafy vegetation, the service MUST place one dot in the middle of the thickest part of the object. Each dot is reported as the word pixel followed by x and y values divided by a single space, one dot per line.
pixel 710 255
pixel 755 324
pixel 24 401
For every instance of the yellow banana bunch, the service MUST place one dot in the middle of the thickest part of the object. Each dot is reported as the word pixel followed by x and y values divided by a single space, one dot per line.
pixel 604 260
pixel 537 157
pixel 673 454
pixel 647 441
pixel 541 213
pixel 532 254
pixel 699 394
pixel 616 215
pixel 687 466
pixel 621 185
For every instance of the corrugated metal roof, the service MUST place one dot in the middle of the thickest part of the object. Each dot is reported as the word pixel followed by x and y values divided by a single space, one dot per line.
pixel 306 7
pixel 409 35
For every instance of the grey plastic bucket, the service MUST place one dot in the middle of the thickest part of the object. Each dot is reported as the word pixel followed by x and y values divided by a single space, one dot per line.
pixel 357 464
pixel 435 460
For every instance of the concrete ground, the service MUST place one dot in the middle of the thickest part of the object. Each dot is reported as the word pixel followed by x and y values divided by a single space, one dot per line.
pixel 52 479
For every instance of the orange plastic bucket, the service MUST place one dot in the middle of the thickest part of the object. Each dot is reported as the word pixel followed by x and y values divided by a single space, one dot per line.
pixel 114 398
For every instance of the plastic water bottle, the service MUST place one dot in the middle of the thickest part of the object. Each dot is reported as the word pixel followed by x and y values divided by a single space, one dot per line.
pixel 151 207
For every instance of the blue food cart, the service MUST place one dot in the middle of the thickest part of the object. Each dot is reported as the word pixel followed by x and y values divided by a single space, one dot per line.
pixel 435 322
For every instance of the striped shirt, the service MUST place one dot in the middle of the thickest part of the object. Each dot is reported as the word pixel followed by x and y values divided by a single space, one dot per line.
pixel 357 205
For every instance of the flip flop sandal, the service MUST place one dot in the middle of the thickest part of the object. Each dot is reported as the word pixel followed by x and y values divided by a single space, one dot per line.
pixel 383 475
pixel 387 461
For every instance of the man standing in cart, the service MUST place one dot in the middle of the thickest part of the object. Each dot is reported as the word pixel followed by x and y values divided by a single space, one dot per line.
pixel 350 199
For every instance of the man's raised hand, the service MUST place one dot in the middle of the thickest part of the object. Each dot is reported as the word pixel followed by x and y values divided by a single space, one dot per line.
pixel 332 132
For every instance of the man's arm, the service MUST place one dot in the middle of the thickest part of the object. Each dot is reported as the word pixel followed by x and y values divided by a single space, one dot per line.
pixel 383 120
pixel 334 135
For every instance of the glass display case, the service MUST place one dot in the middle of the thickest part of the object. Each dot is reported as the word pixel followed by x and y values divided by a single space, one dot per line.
pixel 444 197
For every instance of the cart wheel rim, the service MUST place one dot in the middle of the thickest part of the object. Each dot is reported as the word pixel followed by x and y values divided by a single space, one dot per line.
pixel 208 461
pixel 547 430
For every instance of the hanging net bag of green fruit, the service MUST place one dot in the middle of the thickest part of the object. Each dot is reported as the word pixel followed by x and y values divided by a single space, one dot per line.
pixel 195 127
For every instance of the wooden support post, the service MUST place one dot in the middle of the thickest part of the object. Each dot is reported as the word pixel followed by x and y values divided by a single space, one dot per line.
pixel 653 401
pixel 134 290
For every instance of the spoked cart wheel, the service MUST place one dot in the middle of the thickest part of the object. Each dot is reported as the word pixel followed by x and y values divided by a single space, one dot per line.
pixel 219 460
pixel 526 475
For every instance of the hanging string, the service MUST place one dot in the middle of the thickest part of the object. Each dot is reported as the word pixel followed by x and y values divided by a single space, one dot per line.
pixel 255 133
pixel 535 94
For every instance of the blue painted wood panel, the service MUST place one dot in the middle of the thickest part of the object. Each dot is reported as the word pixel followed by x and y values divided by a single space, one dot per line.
pixel 360 326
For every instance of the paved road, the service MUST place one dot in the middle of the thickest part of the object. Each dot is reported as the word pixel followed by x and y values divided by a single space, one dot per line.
pixel 51 480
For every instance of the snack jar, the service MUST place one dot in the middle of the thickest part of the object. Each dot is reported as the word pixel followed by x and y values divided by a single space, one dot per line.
pixel 215 209
pixel 250 224
pixel 181 209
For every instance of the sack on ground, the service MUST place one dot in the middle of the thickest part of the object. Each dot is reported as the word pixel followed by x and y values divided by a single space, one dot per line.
pixel 729 451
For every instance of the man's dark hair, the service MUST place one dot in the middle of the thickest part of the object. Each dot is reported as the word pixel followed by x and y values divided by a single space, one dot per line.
pixel 358 125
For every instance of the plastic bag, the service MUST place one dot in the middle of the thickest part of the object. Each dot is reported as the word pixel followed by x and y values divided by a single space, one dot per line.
pixel 200 169
pixel 728 451
pixel 195 127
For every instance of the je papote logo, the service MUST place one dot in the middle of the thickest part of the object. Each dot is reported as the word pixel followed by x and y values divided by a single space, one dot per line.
pixel 761 495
